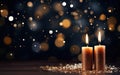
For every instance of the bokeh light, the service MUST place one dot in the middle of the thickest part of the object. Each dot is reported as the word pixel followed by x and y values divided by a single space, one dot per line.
pixel 85 11
pixel 91 20
pixel 91 12
pixel 4 12
pixel 18 24
pixel 59 42
pixel 50 31
pixel 39 14
pixel 60 35
pixel 33 39
pixel 111 27
pixel 64 3
pixel 58 7
pixel 75 49
pixel 33 26
pixel 110 9
pixel 30 19
pixel 112 21
pixel 39 27
pixel 80 57
pixel 42 1
pixel 102 17
pixel 35 47
pixel 41 11
pixel 7 40
pixel 66 23
pixel 23 39
pixel 71 5
pixel 61 13
pixel 29 4
pixel 80 1
pixel 44 46
pixel 15 25
pixel 10 18
pixel 9 56
pixel 75 14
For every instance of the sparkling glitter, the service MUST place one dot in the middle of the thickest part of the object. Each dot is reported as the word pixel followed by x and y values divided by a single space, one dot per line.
pixel 76 68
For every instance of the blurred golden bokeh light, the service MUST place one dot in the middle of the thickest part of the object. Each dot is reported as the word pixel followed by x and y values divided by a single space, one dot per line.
pixel 91 12
pixel 58 7
pixel 38 14
pixel 30 19
pixel 44 46
pixel 41 11
pixel 111 27
pixel 59 42
pixel 4 12
pixel 75 49
pixel 75 14
pixel 80 1
pixel 66 23
pixel 7 40
pixel 112 20
pixel 91 20
pixel 110 9
pixel 60 35
pixel 61 13
pixel 29 4
pixel 102 17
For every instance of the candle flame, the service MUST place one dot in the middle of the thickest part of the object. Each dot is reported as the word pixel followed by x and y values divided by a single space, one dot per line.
pixel 87 39
pixel 99 36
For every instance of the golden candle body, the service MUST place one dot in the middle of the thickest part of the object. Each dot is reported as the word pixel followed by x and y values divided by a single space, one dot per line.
pixel 87 58
pixel 99 54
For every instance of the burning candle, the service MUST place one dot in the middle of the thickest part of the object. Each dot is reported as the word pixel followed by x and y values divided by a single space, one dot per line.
pixel 99 52
pixel 87 56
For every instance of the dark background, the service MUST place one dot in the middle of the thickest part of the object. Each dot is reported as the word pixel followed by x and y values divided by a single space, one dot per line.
pixel 19 50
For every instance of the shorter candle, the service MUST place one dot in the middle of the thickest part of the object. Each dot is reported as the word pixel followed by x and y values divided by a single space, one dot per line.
pixel 87 56
pixel 99 52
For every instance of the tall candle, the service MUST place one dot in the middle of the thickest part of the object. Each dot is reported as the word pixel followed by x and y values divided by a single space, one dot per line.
pixel 99 52
pixel 87 56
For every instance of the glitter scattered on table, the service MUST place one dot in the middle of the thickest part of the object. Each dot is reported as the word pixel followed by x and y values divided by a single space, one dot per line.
pixel 76 68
